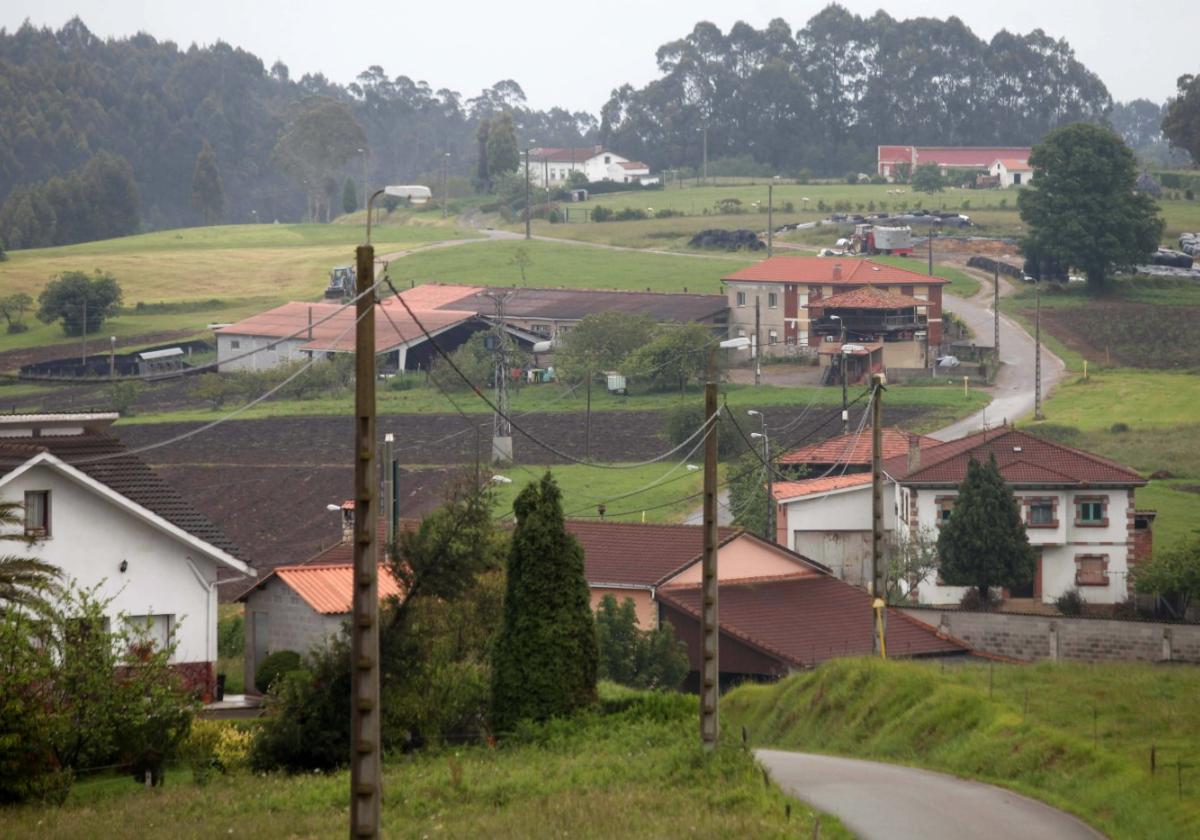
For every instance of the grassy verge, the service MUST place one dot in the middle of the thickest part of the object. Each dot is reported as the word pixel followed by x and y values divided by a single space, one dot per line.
pixel 633 769
pixel 1178 511
pixel 1141 399
pixel 1080 742
pixel 961 284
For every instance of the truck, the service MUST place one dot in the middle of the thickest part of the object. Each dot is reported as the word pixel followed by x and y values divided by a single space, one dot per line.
pixel 876 239
pixel 341 283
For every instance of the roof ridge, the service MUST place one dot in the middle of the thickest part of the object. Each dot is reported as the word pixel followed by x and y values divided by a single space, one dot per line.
pixel 1099 459
pixel 735 631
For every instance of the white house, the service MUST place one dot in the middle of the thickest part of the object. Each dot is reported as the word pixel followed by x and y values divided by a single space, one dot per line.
pixel 1078 511
pixel 106 519
pixel 1012 172
pixel 553 166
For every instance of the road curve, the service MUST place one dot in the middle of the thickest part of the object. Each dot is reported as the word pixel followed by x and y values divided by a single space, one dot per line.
pixel 880 801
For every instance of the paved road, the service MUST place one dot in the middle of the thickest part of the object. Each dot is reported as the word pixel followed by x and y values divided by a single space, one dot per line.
pixel 1013 391
pixel 888 802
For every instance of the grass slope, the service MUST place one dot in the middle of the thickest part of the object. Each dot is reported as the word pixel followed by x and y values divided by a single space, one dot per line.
pixel 632 770
pixel 1046 747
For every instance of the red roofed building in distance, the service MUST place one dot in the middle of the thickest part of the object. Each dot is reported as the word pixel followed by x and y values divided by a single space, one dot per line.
pixel 810 302
pixel 945 157
pixel 552 166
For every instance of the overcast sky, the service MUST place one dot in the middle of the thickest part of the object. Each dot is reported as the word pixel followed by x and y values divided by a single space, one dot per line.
pixel 572 53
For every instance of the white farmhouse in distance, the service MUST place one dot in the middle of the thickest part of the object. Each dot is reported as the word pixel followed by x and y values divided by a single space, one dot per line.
pixel 553 166
pixel 1012 172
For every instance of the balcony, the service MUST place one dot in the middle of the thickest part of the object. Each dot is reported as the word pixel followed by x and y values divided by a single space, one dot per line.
pixel 867 326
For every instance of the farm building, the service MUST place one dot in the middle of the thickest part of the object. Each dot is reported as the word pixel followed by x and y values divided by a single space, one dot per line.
pixel 109 522
pixel 553 166
pixel 1011 172
pixel 889 158
pixel 815 304
pixel 451 313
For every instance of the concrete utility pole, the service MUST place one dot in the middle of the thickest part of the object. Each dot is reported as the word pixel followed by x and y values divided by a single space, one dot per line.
pixel 929 241
pixel 1037 354
pixel 502 448
pixel 365 778
pixel 83 333
pixel 445 184
pixel 877 485
pixel 757 341
pixel 769 522
pixel 528 235
pixel 112 357
pixel 389 485
pixel 771 219
pixel 996 313
pixel 710 671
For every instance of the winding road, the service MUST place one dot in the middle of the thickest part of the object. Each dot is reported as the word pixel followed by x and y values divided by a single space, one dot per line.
pixel 888 802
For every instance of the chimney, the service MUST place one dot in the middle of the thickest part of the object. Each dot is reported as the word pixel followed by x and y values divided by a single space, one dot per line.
pixel 597 149
pixel 348 521
pixel 914 453
pixel 837 272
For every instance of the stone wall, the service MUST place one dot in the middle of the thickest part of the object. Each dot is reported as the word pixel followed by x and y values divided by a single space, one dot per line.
pixel 1036 637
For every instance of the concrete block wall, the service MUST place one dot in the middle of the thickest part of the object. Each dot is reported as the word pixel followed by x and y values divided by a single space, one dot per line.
pixel 291 623
pixel 1037 637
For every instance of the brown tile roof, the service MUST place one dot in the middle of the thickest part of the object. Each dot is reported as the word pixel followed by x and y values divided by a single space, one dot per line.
pixel 1023 458
pixel 1014 163
pixel 855 449
pixel 806 620
pixel 820 270
pixel 126 474
pixel 633 554
pixel 806 487
pixel 569 304
pixel 868 298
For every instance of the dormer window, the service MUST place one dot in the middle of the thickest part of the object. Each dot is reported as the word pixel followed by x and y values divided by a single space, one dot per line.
pixel 37 513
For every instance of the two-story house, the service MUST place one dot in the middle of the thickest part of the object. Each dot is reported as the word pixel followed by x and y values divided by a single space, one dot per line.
pixel 104 518
pixel 553 166
pixel 1078 510
pixel 821 303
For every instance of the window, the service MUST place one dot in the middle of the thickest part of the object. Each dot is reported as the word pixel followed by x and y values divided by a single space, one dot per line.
pixel 1016 179
pixel 1091 511
pixel 772 300
pixel 37 513
pixel 945 506
pixel 1091 570
pixel 741 298
pixel 802 337
pixel 803 301
pixel 772 336
pixel 152 628
pixel 235 344
pixel 608 159
pixel 741 333
pixel 1041 512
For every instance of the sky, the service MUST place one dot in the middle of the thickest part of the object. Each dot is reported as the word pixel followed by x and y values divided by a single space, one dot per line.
pixel 572 54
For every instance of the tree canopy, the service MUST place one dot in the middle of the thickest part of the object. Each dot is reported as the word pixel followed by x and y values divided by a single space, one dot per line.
pixel 1083 209
pixel 1181 124
pixel 984 544
pixel 601 341
pixel 208 196
pixel 321 137
pixel 928 178
pixel 74 297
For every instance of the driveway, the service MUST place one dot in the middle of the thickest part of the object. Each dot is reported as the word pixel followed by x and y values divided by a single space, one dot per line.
pixel 887 802
pixel 1013 391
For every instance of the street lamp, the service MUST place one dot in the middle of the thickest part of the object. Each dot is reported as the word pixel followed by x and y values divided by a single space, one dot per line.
pixel 396 192
pixel 842 368
pixel 771 216
pixel 366 187
pixel 445 183
pixel 769 523
pixel 528 216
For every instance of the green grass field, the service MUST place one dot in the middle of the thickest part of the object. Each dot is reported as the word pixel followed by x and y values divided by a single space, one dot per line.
pixel 236 269
pixel 1075 736
pixel 633 769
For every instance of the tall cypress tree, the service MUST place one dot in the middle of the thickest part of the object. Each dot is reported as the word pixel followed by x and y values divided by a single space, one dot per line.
pixel 208 195
pixel 545 659
pixel 984 543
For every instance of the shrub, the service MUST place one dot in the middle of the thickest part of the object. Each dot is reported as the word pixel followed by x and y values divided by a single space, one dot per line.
pixel 231 638
pixel 683 421
pixel 788 207
pixel 601 213
pixel 971 600
pixel 668 213
pixel 276 665
pixel 851 177
pixel 1070 602
pixel 1118 428
pixel 307 724
pixel 199 750
pixel 233 748
pixel 629 214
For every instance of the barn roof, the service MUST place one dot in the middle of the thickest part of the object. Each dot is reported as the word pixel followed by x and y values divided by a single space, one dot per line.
pixel 827 271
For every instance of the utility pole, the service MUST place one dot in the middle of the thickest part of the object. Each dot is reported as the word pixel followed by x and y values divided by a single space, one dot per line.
pixel 929 241
pixel 112 357
pixel 710 688
pixel 502 448
pixel 365 758
pixel 587 427
pixel 445 184
pixel 1037 354
pixel 83 332
pixel 770 218
pixel 877 485
pixel 389 485
pixel 769 521
pixel 757 341
pixel 996 313
pixel 527 208
pixel 705 132
pixel 366 186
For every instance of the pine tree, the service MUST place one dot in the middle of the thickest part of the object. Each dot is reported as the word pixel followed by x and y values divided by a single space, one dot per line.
pixel 545 660
pixel 984 543
pixel 349 196
pixel 208 196
pixel 502 153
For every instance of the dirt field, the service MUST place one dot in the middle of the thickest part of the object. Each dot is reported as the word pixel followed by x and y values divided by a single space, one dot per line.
pixel 1128 334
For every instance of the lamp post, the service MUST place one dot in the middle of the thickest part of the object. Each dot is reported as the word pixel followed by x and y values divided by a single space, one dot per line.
pixel 842 368
pixel 366 187
pixel 528 234
pixel 112 357
pixel 769 524
pixel 445 183
pixel 771 216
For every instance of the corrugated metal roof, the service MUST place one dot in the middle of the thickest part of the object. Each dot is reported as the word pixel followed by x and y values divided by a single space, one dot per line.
pixel 856 449
pixel 329 588
pixel 794 489
pixel 822 270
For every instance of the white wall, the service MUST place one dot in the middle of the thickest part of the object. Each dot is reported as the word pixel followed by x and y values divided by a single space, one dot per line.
pixel 283 352
pixel 835 528
pixel 594 168
pixel 90 536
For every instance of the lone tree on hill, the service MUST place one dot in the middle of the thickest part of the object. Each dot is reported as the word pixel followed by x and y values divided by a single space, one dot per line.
pixel 546 655
pixel 502 153
pixel 1083 209
pixel 208 196
pixel 984 543
pixel 315 145
pixel 349 196
pixel 1181 125
pixel 928 178
pixel 64 299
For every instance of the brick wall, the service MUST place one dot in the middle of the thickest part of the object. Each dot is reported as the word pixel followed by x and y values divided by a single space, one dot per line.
pixel 1036 637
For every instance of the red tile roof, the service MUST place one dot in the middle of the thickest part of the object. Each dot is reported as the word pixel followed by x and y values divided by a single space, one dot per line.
pixel 1014 163
pixel 869 298
pixel 806 620
pixel 328 587
pixel 969 156
pixel 820 270
pixel 782 490
pixel 1023 458
pixel 855 449
pixel 895 154
pixel 633 554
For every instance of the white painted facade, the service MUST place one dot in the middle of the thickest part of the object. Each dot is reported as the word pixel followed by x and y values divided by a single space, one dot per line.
pixel 1010 174
pixel 595 165
pixel 233 352
pixel 1068 550
pixel 169 574
pixel 834 529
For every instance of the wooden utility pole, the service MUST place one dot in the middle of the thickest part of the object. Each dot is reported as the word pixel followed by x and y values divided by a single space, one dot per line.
pixel 365 794
pixel 587 426
pixel 877 485
pixel 996 314
pixel 1037 353
pixel 771 219
pixel 527 208
pixel 757 341
pixel 389 485
pixel 710 671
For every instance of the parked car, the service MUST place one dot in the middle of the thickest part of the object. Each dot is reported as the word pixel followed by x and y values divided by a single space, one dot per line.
pixel 948 361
